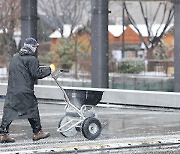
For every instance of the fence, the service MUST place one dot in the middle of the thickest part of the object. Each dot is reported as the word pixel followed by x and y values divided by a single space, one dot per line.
pixel 128 74
pixel 144 67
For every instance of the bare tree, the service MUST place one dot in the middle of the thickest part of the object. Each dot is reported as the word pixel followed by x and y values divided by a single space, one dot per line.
pixel 61 12
pixel 9 17
pixel 153 39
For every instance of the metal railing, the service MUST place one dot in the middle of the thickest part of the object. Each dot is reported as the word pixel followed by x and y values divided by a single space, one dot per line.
pixel 143 67
pixel 127 74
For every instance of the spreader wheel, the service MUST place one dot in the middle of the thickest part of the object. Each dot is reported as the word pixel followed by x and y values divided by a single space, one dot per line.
pixel 65 123
pixel 91 128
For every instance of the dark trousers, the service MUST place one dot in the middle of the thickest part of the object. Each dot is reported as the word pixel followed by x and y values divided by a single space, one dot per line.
pixel 35 124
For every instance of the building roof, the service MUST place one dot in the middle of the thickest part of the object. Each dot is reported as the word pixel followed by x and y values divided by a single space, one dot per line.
pixel 115 30
pixel 156 28
pixel 55 34
pixel 66 31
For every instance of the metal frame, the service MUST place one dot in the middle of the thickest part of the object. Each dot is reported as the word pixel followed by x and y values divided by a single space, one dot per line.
pixel 80 111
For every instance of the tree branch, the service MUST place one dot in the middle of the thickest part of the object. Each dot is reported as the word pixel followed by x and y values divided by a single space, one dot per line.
pixel 132 21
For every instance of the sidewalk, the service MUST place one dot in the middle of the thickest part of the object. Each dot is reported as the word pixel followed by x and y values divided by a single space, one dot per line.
pixel 123 128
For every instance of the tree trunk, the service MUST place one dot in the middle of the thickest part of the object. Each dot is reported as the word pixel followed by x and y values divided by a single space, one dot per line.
pixel 150 60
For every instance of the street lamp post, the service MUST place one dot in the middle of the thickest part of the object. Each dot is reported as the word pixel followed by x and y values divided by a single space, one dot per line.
pixel 99 43
pixel 28 19
pixel 123 23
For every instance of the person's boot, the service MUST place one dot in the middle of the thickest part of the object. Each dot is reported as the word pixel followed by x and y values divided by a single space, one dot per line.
pixel 5 138
pixel 40 135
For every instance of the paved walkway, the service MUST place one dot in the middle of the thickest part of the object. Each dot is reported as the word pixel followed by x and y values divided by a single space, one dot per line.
pixel 123 128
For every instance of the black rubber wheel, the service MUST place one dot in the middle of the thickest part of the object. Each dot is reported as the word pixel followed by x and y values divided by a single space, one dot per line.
pixel 69 133
pixel 91 128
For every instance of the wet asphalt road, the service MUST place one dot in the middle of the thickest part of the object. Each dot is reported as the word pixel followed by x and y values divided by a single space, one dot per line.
pixel 127 129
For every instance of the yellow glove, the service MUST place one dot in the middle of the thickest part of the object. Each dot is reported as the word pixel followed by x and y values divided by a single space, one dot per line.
pixel 53 68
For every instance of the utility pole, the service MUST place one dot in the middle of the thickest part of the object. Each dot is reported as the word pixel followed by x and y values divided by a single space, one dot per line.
pixel 176 46
pixel 123 25
pixel 99 43
pixel 28 19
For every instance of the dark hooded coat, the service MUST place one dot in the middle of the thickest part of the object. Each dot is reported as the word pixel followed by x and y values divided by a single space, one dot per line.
pixel 24 70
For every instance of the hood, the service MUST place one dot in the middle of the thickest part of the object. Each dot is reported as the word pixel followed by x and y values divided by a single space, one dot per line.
pixel 26 50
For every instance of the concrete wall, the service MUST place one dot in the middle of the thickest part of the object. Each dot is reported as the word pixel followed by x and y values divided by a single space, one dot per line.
pixel 124 97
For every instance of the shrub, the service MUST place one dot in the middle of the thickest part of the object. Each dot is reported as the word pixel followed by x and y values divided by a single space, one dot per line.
pixel 131 67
